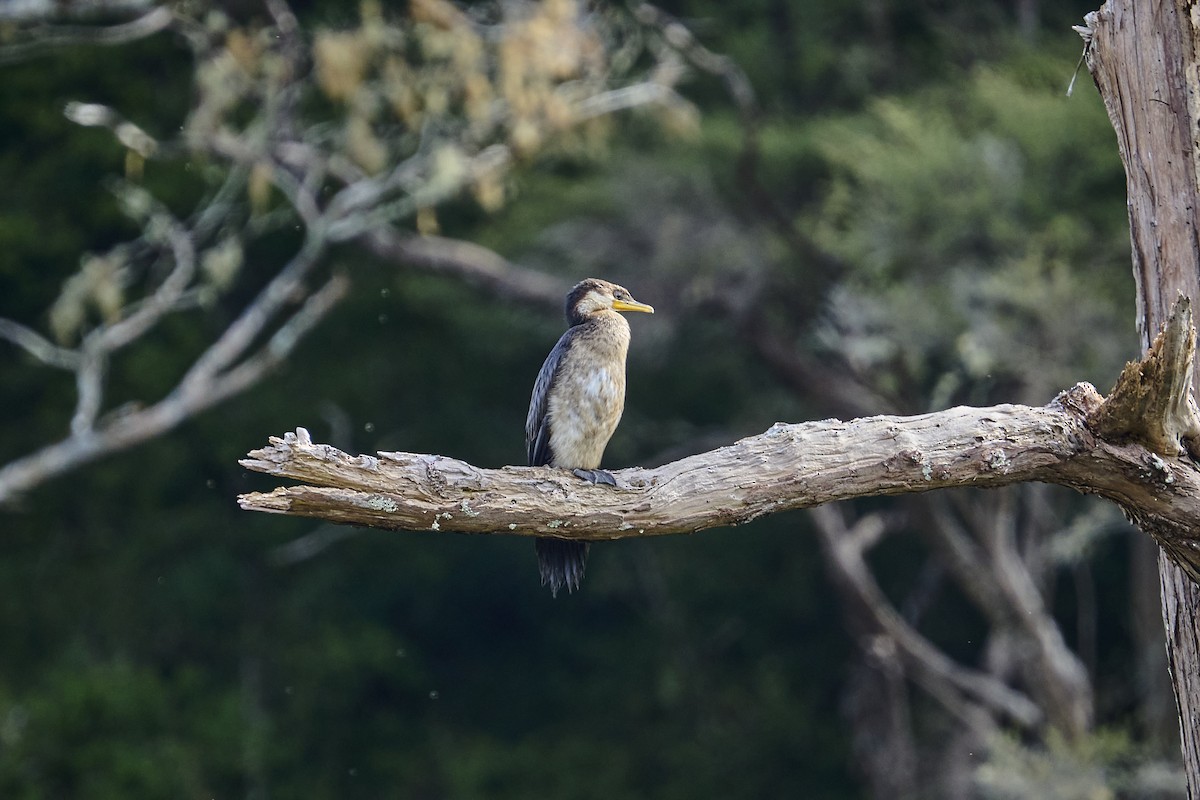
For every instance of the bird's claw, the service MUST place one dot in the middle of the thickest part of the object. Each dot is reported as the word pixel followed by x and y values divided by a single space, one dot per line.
pixel 595 476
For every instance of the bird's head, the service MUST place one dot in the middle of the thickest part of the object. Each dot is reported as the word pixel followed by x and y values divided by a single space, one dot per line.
pixel 594 295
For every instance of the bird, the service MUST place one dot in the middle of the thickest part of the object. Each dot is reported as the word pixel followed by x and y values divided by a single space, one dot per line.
pixel 577 401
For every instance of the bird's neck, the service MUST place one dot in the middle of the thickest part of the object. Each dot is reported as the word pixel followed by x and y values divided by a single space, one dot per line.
pixel 607 331
pixel 600 317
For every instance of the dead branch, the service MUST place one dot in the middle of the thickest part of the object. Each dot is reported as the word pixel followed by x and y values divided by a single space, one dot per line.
pixel 137 424
pixel 43 38
pixel 787 467
pixel 966 693
pixel 1055 675
pixel 470 262
pixel 38 346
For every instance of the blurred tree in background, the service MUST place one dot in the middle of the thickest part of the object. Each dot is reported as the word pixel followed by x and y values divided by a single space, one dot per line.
pixel 382 206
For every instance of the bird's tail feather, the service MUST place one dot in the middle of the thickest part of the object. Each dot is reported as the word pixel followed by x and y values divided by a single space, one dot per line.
pixel 561 563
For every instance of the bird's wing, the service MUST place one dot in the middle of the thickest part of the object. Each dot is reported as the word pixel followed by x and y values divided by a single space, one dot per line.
pixel 537 423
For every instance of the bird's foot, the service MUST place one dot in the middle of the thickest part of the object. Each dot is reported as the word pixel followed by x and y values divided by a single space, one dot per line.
pixel 594 476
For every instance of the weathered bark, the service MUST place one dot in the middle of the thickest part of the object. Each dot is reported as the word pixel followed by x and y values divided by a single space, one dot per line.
pixel 787 467
pixel 1144 59
pixel 1079 440
pixel 1152 402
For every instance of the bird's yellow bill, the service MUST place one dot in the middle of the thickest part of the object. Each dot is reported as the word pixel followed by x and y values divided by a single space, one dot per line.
pixel 632 305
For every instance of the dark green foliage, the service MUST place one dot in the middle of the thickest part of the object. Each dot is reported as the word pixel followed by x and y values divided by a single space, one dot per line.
pixel 156 642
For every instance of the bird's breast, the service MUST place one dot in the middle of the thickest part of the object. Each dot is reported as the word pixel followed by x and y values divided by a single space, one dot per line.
pixel 587 401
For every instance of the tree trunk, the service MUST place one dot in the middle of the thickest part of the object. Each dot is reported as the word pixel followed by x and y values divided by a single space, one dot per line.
pixel 1144 59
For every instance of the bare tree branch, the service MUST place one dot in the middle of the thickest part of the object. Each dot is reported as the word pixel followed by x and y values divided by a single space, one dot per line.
pixel 627 97
pixel 1055 672
pixel 787 467
pixel 283 341
pixel 371 203
pixel 810 376
pixel 190 397
pixel 284 288
pixel 966 561
pixel 964 692
pixel 38 346
pixel 43 38
pixel 469 262
pixel 679 37
pixel 89 388
pixel 166 299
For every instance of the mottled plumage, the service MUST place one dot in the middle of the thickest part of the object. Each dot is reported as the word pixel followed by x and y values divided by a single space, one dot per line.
pixel 576 404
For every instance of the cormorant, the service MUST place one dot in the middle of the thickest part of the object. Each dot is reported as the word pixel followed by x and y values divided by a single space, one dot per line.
pixel 577 402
